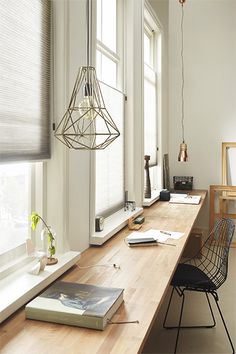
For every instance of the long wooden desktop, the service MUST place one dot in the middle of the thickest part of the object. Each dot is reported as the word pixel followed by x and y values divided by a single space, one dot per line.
pixel 145 274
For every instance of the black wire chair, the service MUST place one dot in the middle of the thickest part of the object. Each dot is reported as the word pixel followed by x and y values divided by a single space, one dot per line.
pixel 205 272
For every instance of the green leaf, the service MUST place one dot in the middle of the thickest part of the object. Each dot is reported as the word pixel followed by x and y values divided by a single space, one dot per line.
pixel 52 250
pixel 34 220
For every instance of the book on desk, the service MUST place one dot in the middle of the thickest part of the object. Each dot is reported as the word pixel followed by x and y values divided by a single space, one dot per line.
pixel 82 305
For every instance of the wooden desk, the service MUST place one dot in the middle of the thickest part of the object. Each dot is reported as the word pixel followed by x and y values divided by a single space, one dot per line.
pixel 145 275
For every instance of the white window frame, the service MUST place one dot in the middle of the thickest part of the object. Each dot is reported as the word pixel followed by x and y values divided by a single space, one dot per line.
pixel 153 29
pixel 118 56
pixel 119 219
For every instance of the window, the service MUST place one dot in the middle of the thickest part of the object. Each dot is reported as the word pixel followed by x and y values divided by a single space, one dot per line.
pixel 108 58
pixel 20 193
pixel 109 196
pixel 14 205
pixel 24 115
pixel 152 70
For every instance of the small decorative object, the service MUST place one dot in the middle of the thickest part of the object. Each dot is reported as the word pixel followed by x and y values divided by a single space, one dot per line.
pixel 41 263
pixel 99 223
pixel 51 249
pixel 132 225
pixel 166 173
pixel 147 184
pixel 130 205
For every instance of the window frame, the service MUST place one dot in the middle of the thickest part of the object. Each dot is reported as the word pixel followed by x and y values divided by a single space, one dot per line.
pixel 118 58
pixel 152 28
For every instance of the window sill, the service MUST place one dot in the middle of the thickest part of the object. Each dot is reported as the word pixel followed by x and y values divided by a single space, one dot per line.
pixel 113 224
pixel 20 287
pixel 155 196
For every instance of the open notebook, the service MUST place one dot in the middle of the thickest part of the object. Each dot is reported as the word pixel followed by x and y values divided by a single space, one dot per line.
pixel 185 198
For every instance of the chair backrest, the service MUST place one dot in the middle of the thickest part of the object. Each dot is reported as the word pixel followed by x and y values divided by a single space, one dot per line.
pixel 212 258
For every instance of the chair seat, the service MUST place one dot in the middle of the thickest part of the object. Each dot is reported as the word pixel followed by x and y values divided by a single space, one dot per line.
pixel 190 276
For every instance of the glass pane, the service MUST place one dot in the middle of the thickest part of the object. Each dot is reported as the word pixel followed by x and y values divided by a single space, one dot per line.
pixel 147 49
pixel 108 71
pixel 99 64
pixel 150 124
pixel 109 24
pixel 14 205
pixel 99 19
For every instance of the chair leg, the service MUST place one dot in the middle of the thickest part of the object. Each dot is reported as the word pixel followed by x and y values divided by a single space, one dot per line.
pixel 222 318
pixel 188 327
pixel 212 314
pixel 180 319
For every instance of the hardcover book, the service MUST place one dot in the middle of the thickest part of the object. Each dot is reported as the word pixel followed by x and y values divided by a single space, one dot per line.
pixel 82 305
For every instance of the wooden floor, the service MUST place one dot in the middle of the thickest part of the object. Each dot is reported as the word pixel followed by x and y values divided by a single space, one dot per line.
pixel 198 341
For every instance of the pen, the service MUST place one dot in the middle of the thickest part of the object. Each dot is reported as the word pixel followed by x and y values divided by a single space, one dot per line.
pixel 165 233
pixel 168 244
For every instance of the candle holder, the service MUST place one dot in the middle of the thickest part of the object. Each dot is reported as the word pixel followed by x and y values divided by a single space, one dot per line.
pixel 147 183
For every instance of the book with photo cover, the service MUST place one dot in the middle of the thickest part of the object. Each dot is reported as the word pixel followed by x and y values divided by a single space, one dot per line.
pixel 82 305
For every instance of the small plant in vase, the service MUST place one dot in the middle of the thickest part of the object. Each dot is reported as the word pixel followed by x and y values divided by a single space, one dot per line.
pixel 35 218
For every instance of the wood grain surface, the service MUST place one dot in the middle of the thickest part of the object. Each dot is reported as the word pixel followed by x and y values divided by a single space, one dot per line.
pixel 145 273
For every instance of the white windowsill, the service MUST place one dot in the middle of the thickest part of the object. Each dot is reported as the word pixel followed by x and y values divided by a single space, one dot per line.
pixel 153 199
pixel 20 287
pixel 113 224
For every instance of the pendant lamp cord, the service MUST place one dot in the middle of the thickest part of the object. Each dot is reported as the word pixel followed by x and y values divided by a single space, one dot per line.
pixel 89 29
pixel 182 61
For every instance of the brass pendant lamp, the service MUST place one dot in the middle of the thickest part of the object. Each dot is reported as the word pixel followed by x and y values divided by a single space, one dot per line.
pixel 183 156
pixel 87 125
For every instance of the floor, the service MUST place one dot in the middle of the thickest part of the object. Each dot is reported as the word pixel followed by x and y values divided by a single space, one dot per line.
pixel 194 341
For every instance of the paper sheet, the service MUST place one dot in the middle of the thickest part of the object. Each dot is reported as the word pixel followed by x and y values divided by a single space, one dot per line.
pixel 156 235
pixel 163 235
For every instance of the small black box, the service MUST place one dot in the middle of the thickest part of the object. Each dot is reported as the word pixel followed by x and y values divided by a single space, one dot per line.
pixel 165 195
pixel 139 220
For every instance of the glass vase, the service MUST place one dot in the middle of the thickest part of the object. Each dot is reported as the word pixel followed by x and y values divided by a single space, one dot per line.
pixel 48 237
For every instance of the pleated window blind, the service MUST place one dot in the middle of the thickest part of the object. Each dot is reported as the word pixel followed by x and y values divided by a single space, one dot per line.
pixel 110 188
pixel 24 79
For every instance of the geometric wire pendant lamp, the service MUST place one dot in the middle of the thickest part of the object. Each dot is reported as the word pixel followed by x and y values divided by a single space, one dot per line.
pixel 183 156
pixel 87 125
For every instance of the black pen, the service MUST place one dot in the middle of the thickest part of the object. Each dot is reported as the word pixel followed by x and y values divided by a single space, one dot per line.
pixel 165 233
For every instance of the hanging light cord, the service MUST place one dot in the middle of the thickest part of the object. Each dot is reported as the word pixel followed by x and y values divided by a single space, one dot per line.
pixel 182 61
pixel 88 33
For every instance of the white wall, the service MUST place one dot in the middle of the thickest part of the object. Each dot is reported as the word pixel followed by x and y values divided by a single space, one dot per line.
pixel 210 87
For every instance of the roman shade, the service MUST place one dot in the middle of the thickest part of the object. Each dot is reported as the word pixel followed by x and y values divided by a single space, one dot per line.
pixel 24 80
